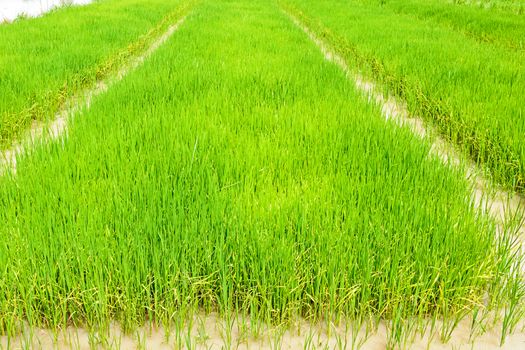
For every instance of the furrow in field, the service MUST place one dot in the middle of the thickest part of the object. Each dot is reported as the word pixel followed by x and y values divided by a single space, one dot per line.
pixel 499 204
pixel 44 131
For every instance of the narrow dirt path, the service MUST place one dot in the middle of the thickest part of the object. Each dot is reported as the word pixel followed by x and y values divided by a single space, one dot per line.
pixel 45 131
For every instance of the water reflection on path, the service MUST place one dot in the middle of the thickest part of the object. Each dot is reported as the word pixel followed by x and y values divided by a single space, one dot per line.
pixel 11 9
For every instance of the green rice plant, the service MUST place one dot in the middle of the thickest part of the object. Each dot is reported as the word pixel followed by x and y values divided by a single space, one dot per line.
pixel 506 30
pixel 44 61
pixel 472 91
pixel 237 171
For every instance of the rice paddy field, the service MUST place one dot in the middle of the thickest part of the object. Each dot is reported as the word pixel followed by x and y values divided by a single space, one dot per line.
pixel 236 188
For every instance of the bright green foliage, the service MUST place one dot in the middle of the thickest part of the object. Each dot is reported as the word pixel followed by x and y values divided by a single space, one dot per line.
pixel 472 90
pixel 45 60
pixel 506 30
pixel 239 171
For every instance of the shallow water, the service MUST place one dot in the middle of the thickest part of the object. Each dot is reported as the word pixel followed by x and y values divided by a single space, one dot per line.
pixel 11 9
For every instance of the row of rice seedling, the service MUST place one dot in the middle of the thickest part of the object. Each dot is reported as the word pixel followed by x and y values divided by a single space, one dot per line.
pixel 503 29
pixel 44 61
pixel 472 91
pixel 237 171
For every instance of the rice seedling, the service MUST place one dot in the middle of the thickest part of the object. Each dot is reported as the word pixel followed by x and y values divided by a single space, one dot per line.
pixel 472 91
pixel 506 30
pixel 238 172
pixel 43 61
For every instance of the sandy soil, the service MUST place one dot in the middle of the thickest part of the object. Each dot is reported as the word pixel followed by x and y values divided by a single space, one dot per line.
pixel 11 9
pixel 210 332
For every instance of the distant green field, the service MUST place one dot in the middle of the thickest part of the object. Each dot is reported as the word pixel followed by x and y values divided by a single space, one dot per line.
pixel 239 171
pixel 503 29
